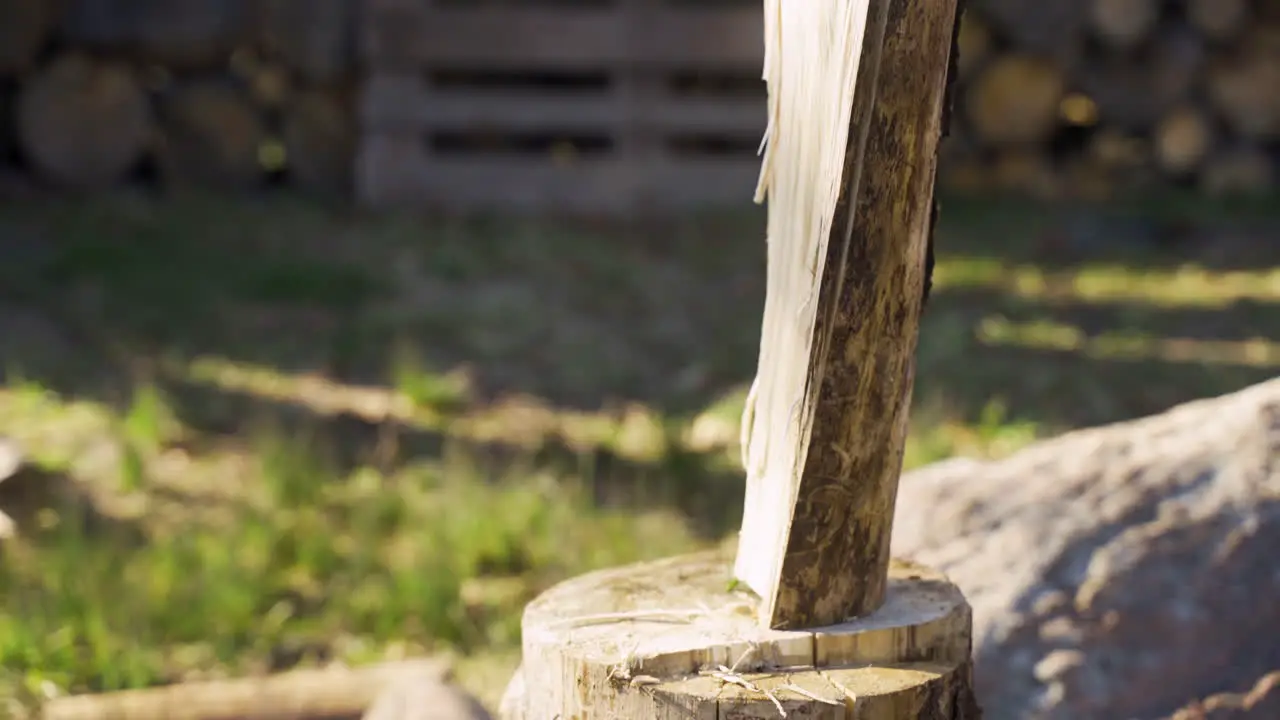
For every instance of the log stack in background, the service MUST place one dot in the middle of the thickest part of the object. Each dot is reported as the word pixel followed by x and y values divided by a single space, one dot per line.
pixel 1062 98
pixel 1087 97
pixel 225 95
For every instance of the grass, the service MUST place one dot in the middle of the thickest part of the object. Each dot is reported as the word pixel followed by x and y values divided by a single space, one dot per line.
pixel 267 435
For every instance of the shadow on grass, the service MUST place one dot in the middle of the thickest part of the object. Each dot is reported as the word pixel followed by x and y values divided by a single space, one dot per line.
pixel 394 345
pixel 1101 326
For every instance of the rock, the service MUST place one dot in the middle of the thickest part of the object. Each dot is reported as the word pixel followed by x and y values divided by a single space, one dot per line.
pixel 425 696
pixel 1117 572
pixel 1262 702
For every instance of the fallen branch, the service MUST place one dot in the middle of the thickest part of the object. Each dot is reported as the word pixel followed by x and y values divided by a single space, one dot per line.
pixel 326 694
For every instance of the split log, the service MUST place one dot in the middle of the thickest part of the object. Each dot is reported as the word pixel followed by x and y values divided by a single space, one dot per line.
pixel 1182 140
pixel 329 693
pixel 833 629
pixel 1218 20
pixel 84 123
pixel 25 26
pixel 1242 87
pixel 320 141
pixel 1123 24
pixel 672 639
pixel 184 34
pixel 1014 100
pixel 1241 170
pixel 314 38
pixel 849 262
pixel 211 135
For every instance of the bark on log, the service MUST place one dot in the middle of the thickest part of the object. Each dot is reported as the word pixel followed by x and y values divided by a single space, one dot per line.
pixel 825 430
pixel 83 123
pixel 320 141
pixel 671 639
pixel 1123 24
pixel 298 695
pixel 1182 139
pixel 1014 100
pixel 211 137
pixel 315 38
pixel 24 29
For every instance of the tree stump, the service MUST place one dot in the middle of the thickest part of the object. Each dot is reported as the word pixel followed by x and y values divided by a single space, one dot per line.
pixel 672 639
pixel 211 135
pixel 84 123
pixel 811 617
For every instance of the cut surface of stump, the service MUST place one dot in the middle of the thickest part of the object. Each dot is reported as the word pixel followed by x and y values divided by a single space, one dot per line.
pixel 83 123
pixel 674 639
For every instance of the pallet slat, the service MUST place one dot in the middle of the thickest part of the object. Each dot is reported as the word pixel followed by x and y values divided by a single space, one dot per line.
pixel 394 171
pixel 565 39
pixel 453 92
pixel 404 102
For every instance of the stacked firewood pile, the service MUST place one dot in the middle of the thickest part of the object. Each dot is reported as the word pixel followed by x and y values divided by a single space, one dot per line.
pixel 226 95
pixel 1054 97
pixel 1085 96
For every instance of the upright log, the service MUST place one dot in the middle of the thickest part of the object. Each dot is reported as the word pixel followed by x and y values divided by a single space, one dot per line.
pixel 813 620
pixel 825 433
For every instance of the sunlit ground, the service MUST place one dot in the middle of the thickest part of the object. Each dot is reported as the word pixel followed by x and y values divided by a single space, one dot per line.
pixel 267 435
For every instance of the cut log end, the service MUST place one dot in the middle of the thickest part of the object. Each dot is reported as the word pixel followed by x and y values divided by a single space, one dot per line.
pixel 212 135
pixel 1015 100
pixel 83 123
pixel 672 639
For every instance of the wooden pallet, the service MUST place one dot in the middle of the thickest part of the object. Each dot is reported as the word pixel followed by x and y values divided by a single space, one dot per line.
pixel 627 106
